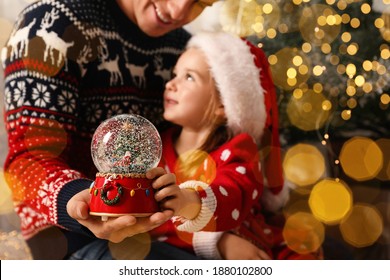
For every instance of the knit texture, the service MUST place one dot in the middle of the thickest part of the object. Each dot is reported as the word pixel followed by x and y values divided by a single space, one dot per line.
pixel 228 182
pixel 69 65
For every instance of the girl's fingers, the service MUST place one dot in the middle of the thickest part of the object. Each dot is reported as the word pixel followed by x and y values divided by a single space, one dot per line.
pixel 164 180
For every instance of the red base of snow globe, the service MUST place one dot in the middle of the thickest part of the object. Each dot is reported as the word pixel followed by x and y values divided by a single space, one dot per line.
pixel 114 195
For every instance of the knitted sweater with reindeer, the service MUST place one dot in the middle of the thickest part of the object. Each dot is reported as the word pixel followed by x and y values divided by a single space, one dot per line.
pixel 69 65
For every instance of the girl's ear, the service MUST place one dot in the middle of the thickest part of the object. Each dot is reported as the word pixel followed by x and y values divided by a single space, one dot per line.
pixel 220 111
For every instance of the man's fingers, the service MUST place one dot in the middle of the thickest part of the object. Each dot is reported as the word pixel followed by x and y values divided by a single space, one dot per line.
pixel 77 207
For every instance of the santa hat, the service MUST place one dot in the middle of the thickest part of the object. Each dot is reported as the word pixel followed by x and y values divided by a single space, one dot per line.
pixel 243 78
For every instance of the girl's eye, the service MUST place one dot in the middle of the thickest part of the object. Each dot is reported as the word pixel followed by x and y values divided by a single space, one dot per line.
pixel 189 77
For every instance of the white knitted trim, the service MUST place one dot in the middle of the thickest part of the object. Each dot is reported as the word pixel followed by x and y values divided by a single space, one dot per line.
pixel 205 244
pixel 208 206
pixel 273 202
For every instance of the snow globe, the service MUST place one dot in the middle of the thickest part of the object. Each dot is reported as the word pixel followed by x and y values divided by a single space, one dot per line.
pixel 123 148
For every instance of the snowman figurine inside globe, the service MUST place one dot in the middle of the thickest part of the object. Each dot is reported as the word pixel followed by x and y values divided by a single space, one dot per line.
pixel 123 148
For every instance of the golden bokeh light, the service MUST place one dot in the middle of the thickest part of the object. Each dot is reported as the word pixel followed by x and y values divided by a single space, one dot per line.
pixel 330 201
pixel 307 113
pixel 286 60
pixel 6 205
pixel 383 24
pixel 245 18
pixel 346 37
pixel 319 24
pixel 346 114
pixel 25 176
pixel 13 246
pixel 195 165
pixel 365 8
pixel 384 146
pixel 136 247
pixel 292 208
pixel 303 164
pixel 361 158
pixel 363 226
pixel 306 47
pixel 303 233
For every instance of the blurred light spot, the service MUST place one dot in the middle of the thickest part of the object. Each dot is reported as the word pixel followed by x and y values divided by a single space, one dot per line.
pixel 297 60
pixel 303 164
pixel 383 25
pixel 365 8
pixel 303 233
pixel 385 53
pixel 25 176
pixel 297 206
pixel 330 201
pixel 13 246
pixel 384 146
pixel 326 48
pixel 351 103
pixel 334 60
pixel 286 60
pixel 351 69
pixel 355 23
pixel 304 119
pixel 318 24
pixel 272 59
pixel 136 247
pixel 318 70
pixel 326 105
pixel 195 165
pixel 346 114
pixel 346 37
pixel 317 87
pixel 363 226
pixel 352 49
pixel 361 158
pixel 6 205
pixel 306 47
pixel 297 93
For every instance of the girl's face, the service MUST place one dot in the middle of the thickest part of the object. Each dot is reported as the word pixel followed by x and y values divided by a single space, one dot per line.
pixel 188 95
pixel 158 17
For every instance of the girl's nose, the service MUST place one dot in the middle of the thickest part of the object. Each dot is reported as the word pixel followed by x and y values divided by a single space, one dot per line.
pixel 170 85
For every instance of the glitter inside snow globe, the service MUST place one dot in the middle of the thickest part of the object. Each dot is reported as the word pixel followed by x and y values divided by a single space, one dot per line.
pixel 123 148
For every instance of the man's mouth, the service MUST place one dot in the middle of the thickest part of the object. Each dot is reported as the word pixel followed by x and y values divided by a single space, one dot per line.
pixel 161 16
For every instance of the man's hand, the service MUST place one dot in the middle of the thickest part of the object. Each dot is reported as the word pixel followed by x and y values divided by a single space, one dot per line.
pixel 118 228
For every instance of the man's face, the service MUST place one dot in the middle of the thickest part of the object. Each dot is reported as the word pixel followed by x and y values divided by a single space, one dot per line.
pixel 158 17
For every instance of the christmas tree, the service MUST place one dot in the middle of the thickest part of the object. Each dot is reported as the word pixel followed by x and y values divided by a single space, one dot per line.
pixel 330 64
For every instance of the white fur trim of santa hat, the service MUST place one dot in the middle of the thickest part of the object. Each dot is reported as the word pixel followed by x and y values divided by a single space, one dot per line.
pixel 237 78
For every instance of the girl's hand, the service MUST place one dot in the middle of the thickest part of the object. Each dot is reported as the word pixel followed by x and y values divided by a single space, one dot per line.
pixel 183 202
pixel 233 247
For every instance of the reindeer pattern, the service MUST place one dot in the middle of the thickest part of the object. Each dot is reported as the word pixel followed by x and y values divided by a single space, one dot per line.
pixel 56 49
pixel 52 40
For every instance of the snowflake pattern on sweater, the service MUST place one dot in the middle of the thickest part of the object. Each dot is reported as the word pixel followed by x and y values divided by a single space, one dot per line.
pixel 69 65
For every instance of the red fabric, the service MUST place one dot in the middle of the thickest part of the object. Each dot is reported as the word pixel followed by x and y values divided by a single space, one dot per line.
pixel 270 147
pixel 240 191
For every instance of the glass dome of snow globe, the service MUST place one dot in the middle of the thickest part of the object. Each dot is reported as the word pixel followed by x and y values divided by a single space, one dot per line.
pixel 126 143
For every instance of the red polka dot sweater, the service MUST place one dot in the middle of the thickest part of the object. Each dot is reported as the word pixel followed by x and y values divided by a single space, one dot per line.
pixel 69 65
pixel 228 181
